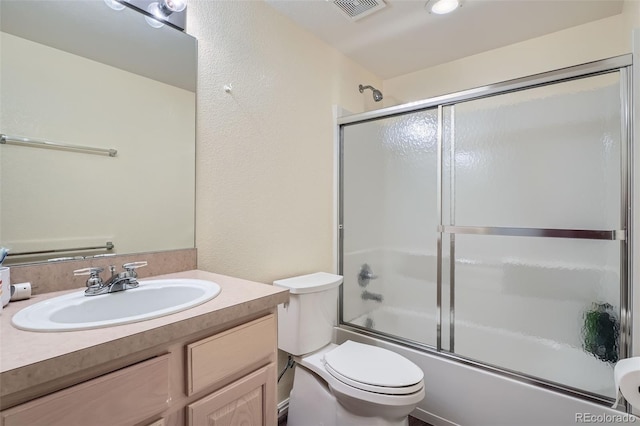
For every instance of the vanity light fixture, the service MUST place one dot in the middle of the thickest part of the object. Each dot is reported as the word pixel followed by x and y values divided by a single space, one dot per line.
pixel 161 10
pixel 442 7
pixel 114 4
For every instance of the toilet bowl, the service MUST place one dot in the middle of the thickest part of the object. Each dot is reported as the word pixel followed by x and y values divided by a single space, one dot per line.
pixel 347 384
pixel 354 384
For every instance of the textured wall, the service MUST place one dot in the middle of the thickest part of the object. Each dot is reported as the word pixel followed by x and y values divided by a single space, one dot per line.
pixel 265 151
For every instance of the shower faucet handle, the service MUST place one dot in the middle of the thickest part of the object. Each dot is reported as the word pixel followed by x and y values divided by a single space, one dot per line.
pixel 366 274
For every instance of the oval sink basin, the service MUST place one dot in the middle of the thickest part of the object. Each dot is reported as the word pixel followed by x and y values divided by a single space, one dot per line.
pixel 152 299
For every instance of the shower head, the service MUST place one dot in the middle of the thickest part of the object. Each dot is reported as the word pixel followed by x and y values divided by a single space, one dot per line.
pixel 377 95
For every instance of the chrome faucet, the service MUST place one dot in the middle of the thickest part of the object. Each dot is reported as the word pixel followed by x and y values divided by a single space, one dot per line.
pixel 117 282
pixel 367 295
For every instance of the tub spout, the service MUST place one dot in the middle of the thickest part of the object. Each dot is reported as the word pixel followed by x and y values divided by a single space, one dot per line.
pixel 367 295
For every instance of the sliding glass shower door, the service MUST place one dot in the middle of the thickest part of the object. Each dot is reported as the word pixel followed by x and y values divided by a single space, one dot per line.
pixel 493 229
pixel 389 200
pixel 544 161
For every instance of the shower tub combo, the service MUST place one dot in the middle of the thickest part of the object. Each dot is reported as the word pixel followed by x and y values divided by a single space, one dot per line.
pixel 485 235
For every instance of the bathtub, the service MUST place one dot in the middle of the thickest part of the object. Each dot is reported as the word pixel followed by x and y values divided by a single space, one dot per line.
pixel 458 393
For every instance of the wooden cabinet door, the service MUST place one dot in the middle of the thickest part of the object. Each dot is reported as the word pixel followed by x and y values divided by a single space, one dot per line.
pixel 250 401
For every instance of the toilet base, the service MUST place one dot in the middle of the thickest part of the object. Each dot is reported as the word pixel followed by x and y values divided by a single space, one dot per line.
pixel 313 403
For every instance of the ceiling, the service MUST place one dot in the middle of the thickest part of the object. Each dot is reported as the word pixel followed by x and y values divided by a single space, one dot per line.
pixel 403 37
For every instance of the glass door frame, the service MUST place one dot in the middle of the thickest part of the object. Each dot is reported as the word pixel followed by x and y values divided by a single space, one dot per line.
pixel 622 64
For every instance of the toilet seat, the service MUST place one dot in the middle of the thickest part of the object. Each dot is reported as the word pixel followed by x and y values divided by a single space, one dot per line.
pixel 316 363
pixel 399 390
pixel 373 369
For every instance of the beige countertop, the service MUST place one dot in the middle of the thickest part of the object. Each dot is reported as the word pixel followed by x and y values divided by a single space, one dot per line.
pixel 32 358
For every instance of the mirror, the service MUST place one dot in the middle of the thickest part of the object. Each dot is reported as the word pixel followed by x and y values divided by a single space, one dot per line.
pixel 81 73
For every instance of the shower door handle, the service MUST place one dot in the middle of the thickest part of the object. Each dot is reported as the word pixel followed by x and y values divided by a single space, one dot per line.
pixel 365 275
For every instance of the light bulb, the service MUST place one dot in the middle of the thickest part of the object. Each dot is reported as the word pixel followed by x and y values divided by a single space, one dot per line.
pixel 113 4
pixel 175 5
pixel 442 7
pixel 154 9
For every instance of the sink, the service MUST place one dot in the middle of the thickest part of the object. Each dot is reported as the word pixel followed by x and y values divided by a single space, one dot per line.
pixel 152 299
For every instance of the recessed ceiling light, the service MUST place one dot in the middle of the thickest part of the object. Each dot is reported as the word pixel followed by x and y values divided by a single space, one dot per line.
pixel 441 7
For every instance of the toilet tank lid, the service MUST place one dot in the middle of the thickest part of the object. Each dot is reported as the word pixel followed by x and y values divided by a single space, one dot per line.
pixel 310 283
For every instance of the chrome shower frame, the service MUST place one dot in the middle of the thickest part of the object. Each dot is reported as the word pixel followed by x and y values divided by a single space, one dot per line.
pixel 625 236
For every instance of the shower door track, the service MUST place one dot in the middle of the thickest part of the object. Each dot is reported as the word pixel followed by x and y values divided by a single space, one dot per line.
pixel 621 64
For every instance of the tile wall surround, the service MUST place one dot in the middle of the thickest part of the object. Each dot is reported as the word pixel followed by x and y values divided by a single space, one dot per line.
pixel 58 276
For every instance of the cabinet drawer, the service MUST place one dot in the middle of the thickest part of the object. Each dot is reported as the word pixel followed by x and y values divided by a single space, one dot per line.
pixel 250 400
pixel 126 396
pixel 230 352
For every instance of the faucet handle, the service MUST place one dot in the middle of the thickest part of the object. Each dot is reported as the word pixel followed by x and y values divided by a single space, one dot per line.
pixel 88 271
pixel 131 267
pixel 134 265
pixel 94 280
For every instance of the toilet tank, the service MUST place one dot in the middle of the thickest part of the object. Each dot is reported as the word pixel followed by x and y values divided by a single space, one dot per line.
pixel 306 322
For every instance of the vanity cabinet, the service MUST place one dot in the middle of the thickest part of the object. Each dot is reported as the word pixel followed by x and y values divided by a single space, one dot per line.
pixel 226 378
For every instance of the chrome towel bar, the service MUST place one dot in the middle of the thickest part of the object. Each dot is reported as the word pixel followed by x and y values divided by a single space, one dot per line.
pixel 108 246
pixel 19 140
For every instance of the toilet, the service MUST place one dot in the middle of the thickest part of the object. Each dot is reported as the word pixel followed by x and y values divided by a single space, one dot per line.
pixel 347 384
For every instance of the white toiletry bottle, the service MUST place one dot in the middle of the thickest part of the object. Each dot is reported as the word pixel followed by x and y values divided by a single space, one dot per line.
pixel 5 277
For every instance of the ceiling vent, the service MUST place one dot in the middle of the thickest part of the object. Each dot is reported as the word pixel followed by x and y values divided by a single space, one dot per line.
pixel 358 9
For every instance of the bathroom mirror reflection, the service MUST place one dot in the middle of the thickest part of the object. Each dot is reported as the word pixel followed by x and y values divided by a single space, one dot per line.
pixel 81 73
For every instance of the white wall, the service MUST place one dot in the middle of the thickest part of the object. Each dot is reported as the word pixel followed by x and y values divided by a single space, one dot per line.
pixel 584 43
pixel 141 199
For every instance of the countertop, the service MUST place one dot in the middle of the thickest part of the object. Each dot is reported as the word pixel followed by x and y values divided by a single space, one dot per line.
pixel 31 358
